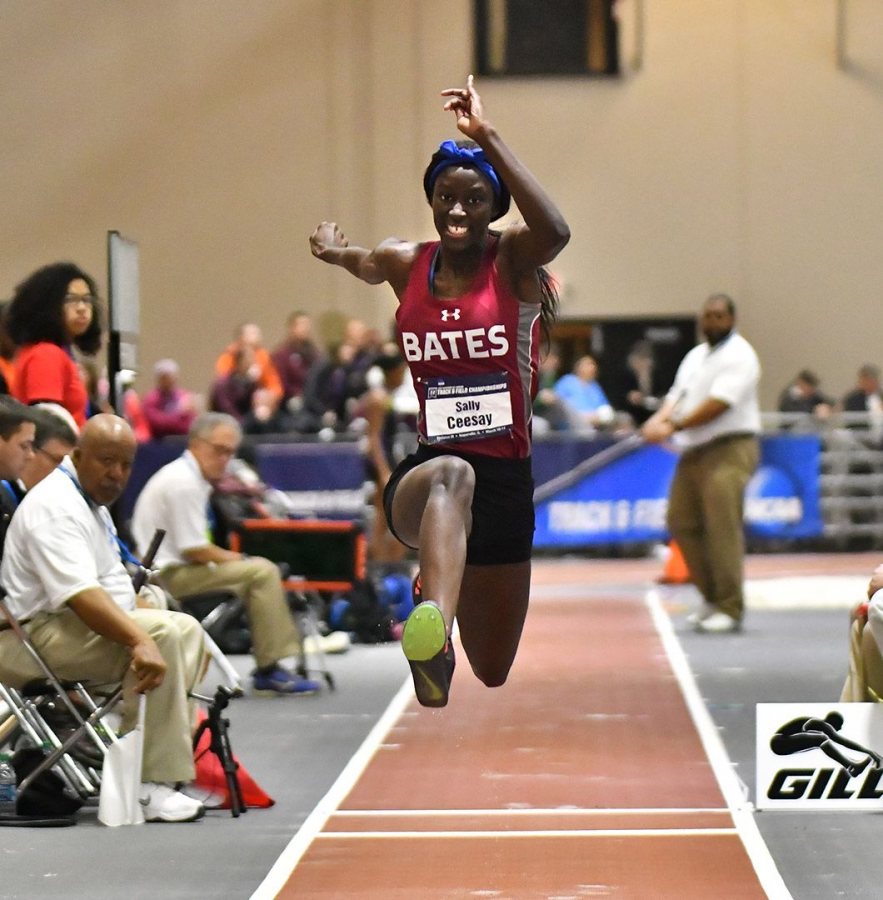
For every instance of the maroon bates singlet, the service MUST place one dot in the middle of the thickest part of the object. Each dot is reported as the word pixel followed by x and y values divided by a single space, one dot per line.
pixel 473 359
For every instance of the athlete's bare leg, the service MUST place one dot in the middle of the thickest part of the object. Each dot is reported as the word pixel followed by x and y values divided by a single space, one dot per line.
pixel 432 510
pixel 491 613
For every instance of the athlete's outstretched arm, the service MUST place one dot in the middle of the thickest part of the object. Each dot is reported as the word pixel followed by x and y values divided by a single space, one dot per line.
pixel 329 244
pixel 388 261
pixel 544 232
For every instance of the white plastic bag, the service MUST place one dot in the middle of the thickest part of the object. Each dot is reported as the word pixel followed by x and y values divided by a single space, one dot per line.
pixel 119 801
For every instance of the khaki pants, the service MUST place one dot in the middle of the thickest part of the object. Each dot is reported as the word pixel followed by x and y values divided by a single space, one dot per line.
pixel 705 517
pixel 74 652
pixel 274 634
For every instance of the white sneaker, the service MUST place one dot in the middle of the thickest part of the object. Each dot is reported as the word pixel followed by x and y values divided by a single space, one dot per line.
pixel 164 804
pixel 206 796
pixel 718 623
pixel 701 614
pixel 335 642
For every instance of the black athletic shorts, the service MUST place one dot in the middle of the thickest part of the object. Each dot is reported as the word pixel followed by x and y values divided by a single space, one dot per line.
pixel 502 505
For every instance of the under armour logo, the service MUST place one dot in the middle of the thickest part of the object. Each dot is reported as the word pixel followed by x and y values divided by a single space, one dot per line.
pixel 453 313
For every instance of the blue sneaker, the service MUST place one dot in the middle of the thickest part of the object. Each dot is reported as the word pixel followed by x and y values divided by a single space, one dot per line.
pixel 280 681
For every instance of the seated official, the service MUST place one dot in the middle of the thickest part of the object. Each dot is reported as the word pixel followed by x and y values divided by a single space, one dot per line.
pixel 864 680
pixel 176 499
pixel 66 582
pixel 23 466
pixel 16 451
pixel 54 439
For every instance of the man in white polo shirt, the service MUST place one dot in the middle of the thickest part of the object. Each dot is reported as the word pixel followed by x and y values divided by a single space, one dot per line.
pixel 65 580
pixel 176 499
pixel 713 414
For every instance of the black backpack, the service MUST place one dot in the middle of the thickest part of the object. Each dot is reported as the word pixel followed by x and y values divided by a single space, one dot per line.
pixel 367 616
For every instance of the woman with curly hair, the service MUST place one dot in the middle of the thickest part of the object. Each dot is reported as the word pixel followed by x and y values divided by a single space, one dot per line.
pixel 52 311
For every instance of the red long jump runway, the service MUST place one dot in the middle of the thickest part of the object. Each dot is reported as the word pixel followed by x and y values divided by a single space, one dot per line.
pixel 586 775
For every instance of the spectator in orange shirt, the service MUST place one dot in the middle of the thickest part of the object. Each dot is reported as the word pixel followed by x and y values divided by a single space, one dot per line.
pixel 263 373
pixel 52 312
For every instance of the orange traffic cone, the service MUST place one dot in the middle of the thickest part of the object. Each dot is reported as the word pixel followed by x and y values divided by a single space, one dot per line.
pixel 675 570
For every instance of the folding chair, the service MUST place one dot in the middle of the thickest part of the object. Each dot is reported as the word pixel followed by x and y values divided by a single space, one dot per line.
pixel 30 703
pixel 27 702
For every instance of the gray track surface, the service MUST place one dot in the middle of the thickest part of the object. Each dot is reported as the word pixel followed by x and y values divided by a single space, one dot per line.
pixel 296 747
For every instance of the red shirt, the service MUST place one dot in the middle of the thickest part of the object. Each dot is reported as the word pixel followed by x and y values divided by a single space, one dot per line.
pixel 45 372
pixel 473 359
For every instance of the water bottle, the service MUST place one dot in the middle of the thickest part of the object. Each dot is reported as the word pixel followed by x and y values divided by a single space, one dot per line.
pixel 8 787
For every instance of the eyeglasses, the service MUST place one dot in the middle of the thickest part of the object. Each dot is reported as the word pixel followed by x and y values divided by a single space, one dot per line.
pixel 221 449
pixel 77 299
pixel 56 460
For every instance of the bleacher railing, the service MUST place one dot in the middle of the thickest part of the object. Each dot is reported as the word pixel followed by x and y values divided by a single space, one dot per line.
pixel 851 472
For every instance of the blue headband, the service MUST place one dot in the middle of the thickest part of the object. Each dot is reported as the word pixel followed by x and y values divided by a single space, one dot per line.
pixel 452 155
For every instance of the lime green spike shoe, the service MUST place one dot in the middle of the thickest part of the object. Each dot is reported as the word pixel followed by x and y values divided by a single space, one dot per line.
pixel 430 654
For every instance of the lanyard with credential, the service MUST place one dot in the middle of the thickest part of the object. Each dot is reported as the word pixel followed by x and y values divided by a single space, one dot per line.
pixel 12 494
pixel 126 554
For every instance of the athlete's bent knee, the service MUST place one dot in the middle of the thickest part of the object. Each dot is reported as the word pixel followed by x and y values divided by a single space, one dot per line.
pixel 455 476
pixel 492 676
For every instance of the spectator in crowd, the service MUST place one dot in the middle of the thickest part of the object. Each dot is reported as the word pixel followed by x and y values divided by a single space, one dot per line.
pixel 132 408
pixel 362 348
pixel 63 575
pixel 866 398
pixel 584 400
pixel 295 357
pixel 94 375
pixel 16 451
pixel 866 395
pixel 641 385
pixel 713 411
pixel 54 311
pixel 803 395
pixel 176 499
pixel 263 371
pixel 326 392
pixel 54 439
pixel 168 408
pixel 240 395
pixel 7 354
pixel 234 392
pixel 384 424
pixel 549 412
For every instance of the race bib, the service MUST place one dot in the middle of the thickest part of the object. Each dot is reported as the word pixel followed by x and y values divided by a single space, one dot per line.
pixel 467 407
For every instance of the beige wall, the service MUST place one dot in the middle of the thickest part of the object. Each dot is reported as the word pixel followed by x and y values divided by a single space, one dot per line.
pixel 218 132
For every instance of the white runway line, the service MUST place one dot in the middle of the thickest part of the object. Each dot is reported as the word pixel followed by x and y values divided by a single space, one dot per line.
pixel 563 833
pixel 528 812
pixel 315 822
pixel 740 808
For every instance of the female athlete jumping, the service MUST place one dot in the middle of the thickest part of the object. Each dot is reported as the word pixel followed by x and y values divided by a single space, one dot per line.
pixel 468 321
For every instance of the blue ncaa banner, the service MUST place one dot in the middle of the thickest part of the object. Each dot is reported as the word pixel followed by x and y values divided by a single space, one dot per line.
pixel 626 499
